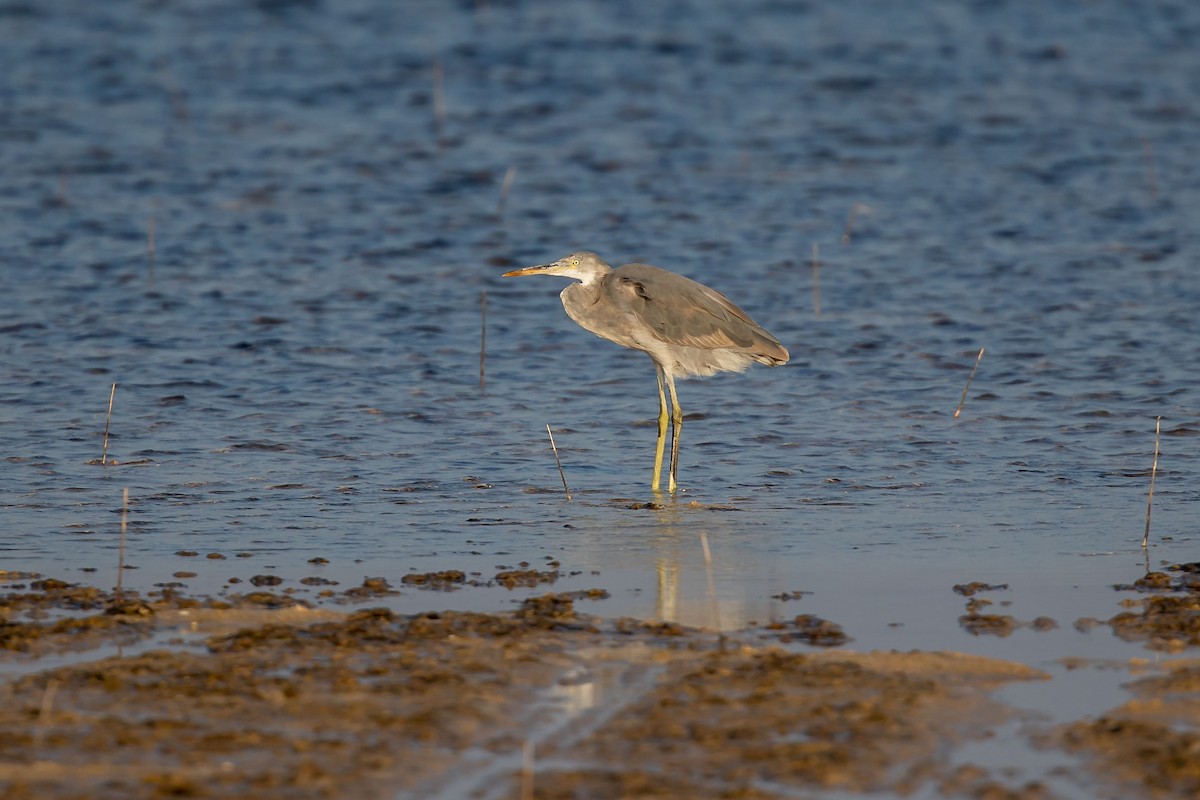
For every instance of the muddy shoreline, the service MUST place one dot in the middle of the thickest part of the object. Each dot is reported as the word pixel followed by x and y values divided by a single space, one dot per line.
pixel 257 695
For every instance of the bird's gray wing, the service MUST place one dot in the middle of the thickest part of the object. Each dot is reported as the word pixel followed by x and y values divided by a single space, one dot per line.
pixel 680 311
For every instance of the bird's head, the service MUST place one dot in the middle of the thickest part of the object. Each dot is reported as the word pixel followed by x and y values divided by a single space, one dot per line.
pixel 582 266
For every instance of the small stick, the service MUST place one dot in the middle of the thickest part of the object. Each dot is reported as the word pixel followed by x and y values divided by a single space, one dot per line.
pixel 121 556
pixel 178 98
pixel 439 102
pixel 970 378
pixel 482 334
pixel 150 247
pixel 854 212
pixel 60 197
pixel 510 175
pixel 1153 472
pixel 1151 172
pixel 816 268
pixel 107 420
pixel 712 583
pixel 527 770
pixel 561 474
pixel 44 711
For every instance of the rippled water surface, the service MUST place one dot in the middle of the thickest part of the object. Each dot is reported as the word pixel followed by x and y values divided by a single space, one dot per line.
pixel 271 225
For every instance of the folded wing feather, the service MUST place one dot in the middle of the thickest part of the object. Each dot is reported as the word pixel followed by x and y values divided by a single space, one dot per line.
pixel 681 311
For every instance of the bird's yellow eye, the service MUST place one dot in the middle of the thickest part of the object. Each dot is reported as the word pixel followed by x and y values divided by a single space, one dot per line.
pixel 574 262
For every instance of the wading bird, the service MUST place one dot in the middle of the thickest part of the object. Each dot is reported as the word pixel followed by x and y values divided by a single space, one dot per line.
pixel 685 327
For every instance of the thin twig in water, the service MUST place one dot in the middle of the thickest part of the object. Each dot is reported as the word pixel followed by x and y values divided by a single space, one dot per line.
pixel 970 378
pixel 121 552
pixel 1153 472
pixel 150 247
pixel 855 210
pixel 43 718
pixel 439 103
pixel 527 770
pixel 510 175
pixel 482 334
pixel 816 268
pixel 107 421
pixel 712 582
pixel 60 196
pixel 561 474
pixel 178 98
pixel 1151 172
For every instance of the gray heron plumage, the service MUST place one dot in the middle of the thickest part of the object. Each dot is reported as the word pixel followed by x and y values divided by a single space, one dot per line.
pixel 687 329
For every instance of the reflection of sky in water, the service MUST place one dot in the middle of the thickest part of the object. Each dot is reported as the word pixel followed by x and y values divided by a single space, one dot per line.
pixel 301 378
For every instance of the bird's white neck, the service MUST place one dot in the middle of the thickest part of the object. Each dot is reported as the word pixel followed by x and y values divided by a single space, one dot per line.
pixel 587 277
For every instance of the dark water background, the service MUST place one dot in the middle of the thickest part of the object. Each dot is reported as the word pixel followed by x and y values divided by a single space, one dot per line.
pixel 298 361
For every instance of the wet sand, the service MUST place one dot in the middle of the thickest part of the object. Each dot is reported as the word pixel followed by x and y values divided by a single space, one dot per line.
pixel 258 695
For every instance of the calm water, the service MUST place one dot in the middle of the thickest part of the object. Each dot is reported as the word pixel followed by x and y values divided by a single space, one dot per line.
pixel 298 361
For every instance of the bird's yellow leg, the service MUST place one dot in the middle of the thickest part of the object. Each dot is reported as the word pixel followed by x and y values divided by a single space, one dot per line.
pixel 656 480
pixel 676 427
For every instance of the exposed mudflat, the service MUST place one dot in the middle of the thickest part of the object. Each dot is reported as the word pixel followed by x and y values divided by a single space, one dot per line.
pixel 257 696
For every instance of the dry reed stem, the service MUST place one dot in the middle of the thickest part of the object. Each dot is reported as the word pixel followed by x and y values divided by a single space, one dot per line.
pixel 439 103
pixel 1153 472
pixel 178 98
pixel 527 770
pixel 107 422
pixel 970 378
pixel 43 717
pixel 712 581
pixel 855 210
pixel 561 474
pixel 510 175
pixel 151 249
pixel 482 334
pixel 121 552
pixel 816 286
pixel 1151 172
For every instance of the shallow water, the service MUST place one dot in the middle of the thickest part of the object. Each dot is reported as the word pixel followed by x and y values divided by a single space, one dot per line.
pixel 297 359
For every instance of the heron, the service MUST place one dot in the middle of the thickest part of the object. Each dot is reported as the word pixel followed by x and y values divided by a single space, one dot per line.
pixel 687 329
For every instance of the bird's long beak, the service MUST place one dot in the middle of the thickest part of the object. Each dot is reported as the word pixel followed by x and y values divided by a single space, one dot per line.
pixel 538 270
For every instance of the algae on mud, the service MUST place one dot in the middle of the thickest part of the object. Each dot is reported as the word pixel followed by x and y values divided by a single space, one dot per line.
pixel 264 695
pixel 372 704
pixel 259 694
